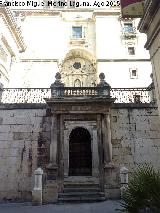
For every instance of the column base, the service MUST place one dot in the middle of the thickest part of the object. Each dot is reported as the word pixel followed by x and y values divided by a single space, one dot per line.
pixel 109 165
pixel 52 171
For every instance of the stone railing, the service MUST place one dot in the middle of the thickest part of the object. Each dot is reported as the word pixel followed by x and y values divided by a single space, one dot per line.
pixel 132 95
pixel 25 95
pixel 37 95
pixel 80 92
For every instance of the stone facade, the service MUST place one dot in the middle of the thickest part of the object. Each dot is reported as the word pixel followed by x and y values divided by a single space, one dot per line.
pixel 46 53
pixel 11 44
pixel 25 139
pixel 79 139
pixel 150 25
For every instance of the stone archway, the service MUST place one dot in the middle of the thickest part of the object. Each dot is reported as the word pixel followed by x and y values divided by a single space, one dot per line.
pixel 80 154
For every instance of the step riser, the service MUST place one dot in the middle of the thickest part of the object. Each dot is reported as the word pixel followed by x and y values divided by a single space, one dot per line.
pixel 81 196
pixel 76 191
pixel 80 190
pixel 93 194
pixel 78 199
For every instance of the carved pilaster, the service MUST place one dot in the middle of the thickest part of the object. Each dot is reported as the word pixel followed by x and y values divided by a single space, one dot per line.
pixel 95 157
pixel 52 167
pixel 106 132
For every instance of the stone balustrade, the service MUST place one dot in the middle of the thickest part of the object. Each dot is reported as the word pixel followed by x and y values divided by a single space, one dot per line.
pixel 37 95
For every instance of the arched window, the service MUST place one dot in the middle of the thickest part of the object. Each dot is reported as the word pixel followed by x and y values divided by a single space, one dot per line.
pixel 77 83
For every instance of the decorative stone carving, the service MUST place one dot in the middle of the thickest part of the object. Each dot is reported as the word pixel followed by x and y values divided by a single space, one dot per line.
pixel 103 85
pixel 79 68
pixel 57 84
pixel 102 82
pixel 79 64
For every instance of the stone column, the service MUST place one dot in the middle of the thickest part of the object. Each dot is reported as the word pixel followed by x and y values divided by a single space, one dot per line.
pixel 52 167
pixel 37 191
pixel 100 149
pixel 95 157
pixel 66 154
pixel 61 146
pixel 106 132
pixel 53 145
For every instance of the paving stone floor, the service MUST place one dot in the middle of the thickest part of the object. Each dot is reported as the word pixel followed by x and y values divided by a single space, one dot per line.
pixel 99 207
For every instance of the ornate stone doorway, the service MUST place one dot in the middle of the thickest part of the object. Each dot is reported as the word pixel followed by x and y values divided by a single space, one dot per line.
pixel 80 154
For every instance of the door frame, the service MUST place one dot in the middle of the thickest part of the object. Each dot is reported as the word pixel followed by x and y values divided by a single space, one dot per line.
pixel 92 129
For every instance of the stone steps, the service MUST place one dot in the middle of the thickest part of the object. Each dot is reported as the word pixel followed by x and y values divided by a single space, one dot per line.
pixel 81 199
pixel 81 189
pixel 81 192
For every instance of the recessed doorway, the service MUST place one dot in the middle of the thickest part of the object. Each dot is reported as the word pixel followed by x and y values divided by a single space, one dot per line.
pixel 80 154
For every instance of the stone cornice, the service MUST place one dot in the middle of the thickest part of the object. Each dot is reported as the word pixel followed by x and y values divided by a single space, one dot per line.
pixel 150 22
pixel 4 71
pixel 7 46
pixel 56 12
pixel 12 26
pixel 98 60
pixel 151 9
pixel 39 60
pixel 44 106
pixel 107 12
pixel 40 12
pixel 152 37
pixel 125 60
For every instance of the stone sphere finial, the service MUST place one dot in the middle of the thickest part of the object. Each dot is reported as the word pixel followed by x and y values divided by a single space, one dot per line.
pixel 58 82
pixel 101 76
pixel 58 76
pixel 102 82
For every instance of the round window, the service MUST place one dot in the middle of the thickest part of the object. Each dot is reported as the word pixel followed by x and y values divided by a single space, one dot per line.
pixel 77 65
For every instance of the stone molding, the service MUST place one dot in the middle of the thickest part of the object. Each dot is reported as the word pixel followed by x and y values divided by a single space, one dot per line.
pixel 44 106
pixel 9 20
pixel 124 60
pixel 79 53
pixel 39 60
pixel 150 21
pixel 9 48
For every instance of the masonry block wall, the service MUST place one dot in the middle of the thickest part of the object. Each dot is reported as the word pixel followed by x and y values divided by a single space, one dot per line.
pixel 136 136
pixel 25 137
pixel 19 134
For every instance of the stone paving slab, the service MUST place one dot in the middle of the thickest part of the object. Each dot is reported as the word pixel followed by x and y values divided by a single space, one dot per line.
pixel 99 207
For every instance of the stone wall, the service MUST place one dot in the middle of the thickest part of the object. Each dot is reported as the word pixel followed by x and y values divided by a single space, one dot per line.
pixel 25 137
pixel 135 136
pixel 135 140
pixel 19 134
